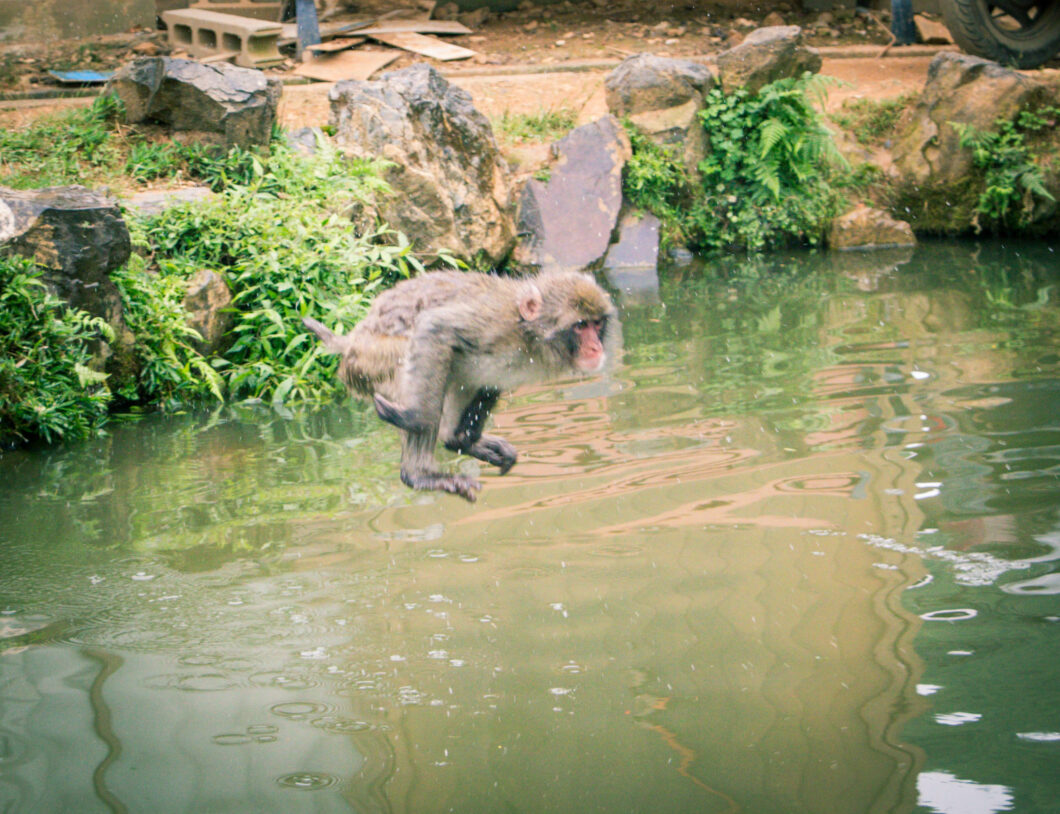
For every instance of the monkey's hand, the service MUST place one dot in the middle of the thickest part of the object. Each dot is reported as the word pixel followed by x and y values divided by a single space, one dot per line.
pixel 496 451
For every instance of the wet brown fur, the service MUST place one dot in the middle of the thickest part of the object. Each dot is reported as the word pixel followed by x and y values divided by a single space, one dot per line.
pixel 435 352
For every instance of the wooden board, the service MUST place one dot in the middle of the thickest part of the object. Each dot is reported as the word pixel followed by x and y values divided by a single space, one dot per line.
pixel 428 46
pixel 289 34
pixel 417 26
pixel 341 65
pixel 340 44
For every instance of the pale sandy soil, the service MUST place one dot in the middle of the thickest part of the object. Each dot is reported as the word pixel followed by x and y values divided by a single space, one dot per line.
pixel 583 91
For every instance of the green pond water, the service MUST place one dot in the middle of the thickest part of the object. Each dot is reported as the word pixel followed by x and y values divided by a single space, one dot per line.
pixel 800 552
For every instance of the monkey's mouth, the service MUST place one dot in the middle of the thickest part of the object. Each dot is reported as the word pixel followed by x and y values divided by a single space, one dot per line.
pixel 591 365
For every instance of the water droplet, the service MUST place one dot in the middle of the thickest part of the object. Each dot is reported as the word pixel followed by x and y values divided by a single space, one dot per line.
pixel 950 615
pixel 1040 737
pixel 298 709
pixel 338 725
pixel 957 718
pixel 205 682
pixel 307 781
pixel 232 739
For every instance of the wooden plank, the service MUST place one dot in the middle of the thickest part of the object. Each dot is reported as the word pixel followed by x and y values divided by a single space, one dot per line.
pixel 340 44
pixel 341 65
pixel 428 46
pixel 289 34
pixel 416 26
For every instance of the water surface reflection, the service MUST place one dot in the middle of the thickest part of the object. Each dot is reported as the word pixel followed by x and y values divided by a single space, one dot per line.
pixel 798 554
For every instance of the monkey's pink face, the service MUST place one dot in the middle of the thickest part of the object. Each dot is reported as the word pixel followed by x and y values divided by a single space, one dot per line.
pixel 590 356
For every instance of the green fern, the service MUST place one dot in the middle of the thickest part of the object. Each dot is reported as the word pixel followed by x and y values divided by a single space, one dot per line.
pixel 1013 180
pixel 773 132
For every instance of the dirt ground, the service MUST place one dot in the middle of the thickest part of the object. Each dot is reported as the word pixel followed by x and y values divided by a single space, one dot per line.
pixel 538 59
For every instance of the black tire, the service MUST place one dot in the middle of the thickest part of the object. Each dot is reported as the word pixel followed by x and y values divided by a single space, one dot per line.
pixel 1017 33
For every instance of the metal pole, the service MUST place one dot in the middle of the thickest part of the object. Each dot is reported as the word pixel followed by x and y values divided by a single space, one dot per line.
pixel 308 29
pixel 902 25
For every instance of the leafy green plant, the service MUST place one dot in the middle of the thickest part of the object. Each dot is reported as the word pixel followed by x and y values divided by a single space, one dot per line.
pixel 47 388
pixel 766 173
pixel 220 169
pixel 286 245
pixel 655 179
pixel 147 161
pixel 548 125
pixel 1013 177
pixel 871 120
pixel 766 180
pixel 279 230
pixel 63 149
pixel 172 371
pixel 90 146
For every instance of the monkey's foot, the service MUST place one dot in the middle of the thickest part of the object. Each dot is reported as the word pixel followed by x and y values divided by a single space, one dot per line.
pixel 460 485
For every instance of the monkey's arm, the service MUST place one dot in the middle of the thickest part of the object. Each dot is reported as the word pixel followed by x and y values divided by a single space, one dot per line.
pixel 463 419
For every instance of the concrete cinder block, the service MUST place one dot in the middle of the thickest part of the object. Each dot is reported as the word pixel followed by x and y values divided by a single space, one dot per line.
pixel 260 9
pixel 205 34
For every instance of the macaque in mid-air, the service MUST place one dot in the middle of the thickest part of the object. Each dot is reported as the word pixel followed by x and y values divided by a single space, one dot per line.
pixel 436 351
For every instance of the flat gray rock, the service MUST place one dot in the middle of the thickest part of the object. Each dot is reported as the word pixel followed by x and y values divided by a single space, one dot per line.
pixel 567 223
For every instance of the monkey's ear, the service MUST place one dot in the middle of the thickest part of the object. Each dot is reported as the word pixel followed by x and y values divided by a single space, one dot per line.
pixel 530 302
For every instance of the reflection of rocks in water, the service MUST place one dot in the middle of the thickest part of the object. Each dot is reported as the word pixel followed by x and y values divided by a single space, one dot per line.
pixel 868 268
pixel 631 264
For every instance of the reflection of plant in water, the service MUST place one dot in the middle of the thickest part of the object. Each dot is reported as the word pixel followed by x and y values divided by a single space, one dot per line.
pixel 747 334
pixel 752 334
pixel 241 480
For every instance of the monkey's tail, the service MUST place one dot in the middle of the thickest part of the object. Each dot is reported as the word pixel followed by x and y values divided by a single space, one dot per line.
pixel 333 342
pixel 372 362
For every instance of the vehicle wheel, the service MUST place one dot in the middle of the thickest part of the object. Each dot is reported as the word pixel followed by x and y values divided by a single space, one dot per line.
pixel 1019 33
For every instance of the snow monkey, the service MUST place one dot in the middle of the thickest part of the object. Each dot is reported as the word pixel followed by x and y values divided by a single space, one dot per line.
pixel 436 351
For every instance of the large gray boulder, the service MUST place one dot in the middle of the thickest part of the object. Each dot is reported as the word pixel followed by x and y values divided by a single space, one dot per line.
pixel 451 188
pixel 936 181
pixel 567 222
pixel 646 82
pixel 766 55
pixel 213 103
pixel 78 238
pixel 662 97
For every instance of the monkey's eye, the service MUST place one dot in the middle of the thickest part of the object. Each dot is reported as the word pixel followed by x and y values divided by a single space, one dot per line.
pixel 580 325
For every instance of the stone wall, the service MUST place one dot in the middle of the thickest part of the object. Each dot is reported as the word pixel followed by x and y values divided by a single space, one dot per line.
pixel 38 20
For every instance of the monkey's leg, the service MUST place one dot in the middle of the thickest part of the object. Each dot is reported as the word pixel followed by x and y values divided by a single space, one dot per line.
pixel 467 435
pixel 424 377
pixel 419 470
